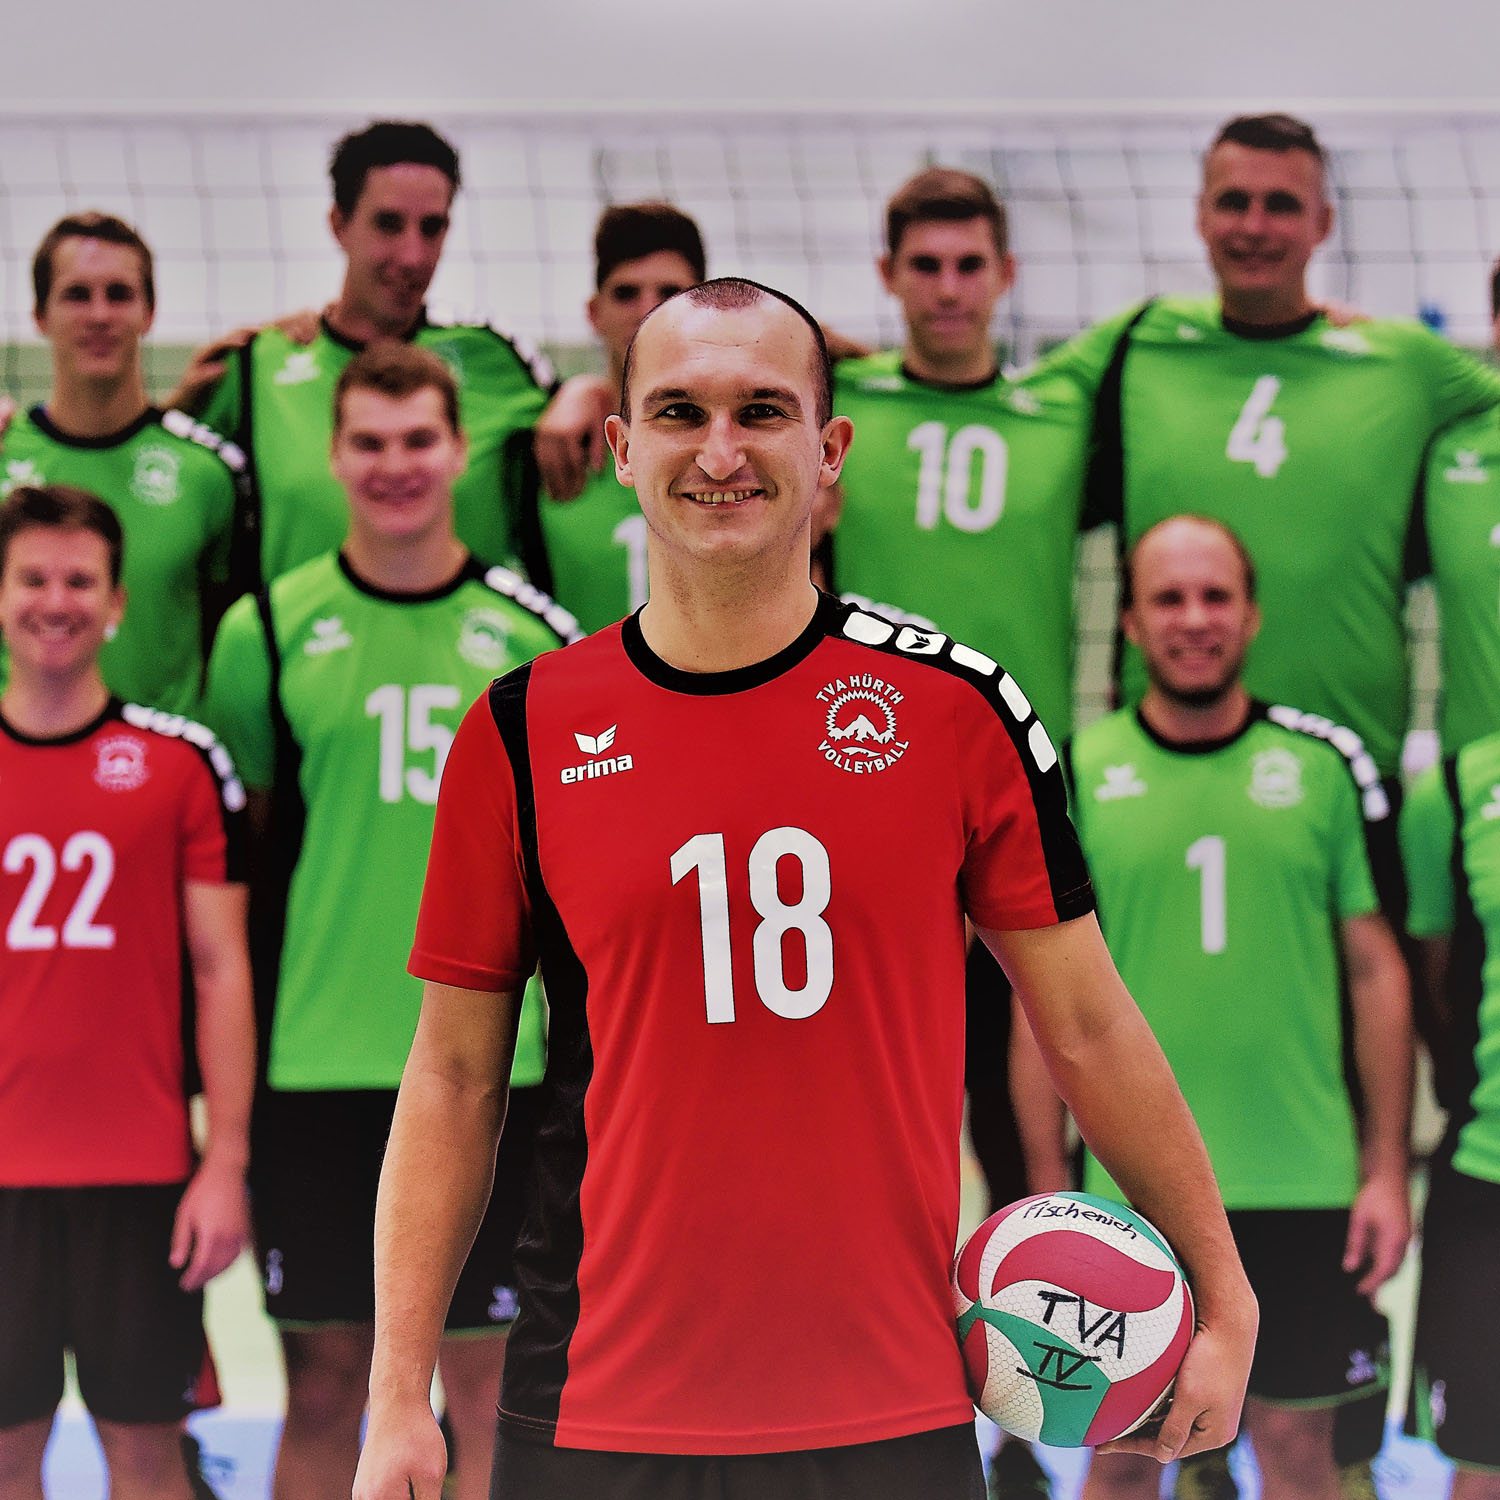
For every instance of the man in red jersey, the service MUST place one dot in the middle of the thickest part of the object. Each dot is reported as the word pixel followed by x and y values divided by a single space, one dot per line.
pixel 742 831
pixel 118 850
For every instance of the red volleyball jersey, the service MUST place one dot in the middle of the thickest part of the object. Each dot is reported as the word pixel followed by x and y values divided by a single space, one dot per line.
pixel 747 892
pixel 99 831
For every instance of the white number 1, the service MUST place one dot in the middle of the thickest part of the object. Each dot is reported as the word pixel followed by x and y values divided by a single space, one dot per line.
pixel 1207 857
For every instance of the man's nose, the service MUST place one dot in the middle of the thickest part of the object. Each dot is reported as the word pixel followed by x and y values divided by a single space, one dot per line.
pixel 722 451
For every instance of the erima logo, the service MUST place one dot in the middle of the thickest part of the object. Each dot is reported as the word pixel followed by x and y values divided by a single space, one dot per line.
pixel 1345 341
pixel 300 367
pixel 1466 469
pixel 882 383
pixel 1119 781
pixel 328 635
pixel 1024 402
pixel 1491 809
pixel 596 744
pixel 1188 334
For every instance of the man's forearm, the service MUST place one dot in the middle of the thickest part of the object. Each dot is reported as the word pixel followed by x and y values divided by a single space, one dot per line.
pixel 1041 1120
pixel 1380 1003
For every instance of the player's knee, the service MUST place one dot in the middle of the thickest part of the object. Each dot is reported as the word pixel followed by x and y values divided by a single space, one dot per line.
pixel 21 1450
pixel 1122 1476
pixel 1294 1443
pixel 327 1379
pixel 143 1458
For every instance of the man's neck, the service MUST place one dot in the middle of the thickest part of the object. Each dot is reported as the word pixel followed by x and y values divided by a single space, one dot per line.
pixel 735 622
pixel 955 369
pixel 406 565
pixel 50 708
pixel 1196 723
pixel 353 324
pixel 1266 309
pixel 96 409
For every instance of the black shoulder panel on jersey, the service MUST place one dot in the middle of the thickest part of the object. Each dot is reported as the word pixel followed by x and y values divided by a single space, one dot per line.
pixel 1104 482
pixel 1374 801
pixel 549 1247
pixel 558 620
pixel 216 758
pixel 1455 1065
pixel 1067 872
pixel 245 576
pixel 527 353
pixel 181 425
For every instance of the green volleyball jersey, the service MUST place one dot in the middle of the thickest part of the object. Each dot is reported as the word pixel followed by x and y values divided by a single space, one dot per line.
pixel 1450 842
pixel 1463 539
pixel 1223 871
pixel 963 506
pixel 590 553
pixel 350 736
pixel 173 484
pixel 1309 444
pixel 276 400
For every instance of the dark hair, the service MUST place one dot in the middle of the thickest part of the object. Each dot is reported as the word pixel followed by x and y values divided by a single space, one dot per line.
pixel 1127 573
pixel 730 294
pixel 397 370
pixel 386 143
pixel 92 225
pixel 629 231
pixel 61 507
pixel 944 195
pixel 1271 133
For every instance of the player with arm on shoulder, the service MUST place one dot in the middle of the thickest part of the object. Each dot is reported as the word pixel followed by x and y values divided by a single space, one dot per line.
pixel 1220 829
pixel 589 553
pixel 1449 833
pixel 119 852
pixel 340 687
pixel 172 482
pixel 597 813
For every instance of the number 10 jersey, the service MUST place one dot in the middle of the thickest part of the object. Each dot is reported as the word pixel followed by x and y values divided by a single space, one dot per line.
pixel 747 891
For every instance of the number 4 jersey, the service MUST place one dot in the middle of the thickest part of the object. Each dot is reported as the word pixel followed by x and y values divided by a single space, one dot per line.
pixel 747 891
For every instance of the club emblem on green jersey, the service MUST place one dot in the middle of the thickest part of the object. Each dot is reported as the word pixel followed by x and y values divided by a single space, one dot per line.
pixel 20 471
pixel 156 478
pixel 300 366
pixel 484 639
pixel 1276 779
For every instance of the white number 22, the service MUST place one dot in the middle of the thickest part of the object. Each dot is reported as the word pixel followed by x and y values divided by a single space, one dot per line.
pixel 24 933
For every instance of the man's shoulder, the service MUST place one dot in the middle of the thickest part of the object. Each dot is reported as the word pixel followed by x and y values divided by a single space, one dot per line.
pixel 1468 451
pixel 520 597
pixel 204 448
pixel 476 344
pixel 1334 747
pixel 190 743
pixel 872 374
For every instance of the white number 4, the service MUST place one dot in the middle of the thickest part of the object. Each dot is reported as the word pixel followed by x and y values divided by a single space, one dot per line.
pixel 1257 437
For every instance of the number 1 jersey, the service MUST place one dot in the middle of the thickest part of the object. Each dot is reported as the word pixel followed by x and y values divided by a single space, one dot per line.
pixel 747 891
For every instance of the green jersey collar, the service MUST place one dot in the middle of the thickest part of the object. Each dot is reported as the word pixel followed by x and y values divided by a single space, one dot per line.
pixel 1264 332
pixel 468 570
pixel 952 387
pixel 354 346
pixel 1256 713
pixel 50 429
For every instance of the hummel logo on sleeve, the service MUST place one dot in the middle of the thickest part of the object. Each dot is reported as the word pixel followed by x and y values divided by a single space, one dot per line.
pixel 596 744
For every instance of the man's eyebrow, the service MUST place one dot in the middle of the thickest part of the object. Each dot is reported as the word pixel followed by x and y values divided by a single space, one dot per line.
pixel 782 395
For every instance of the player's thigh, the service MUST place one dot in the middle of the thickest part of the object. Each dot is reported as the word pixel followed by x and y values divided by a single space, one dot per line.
pixel 32 1266
pixel 484 1299
pixel 314 1173
pixel 137 1337
pixel 1457 1378
pixel 1320 1342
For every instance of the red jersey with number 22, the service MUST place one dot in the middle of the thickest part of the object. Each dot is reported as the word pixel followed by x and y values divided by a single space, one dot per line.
pixel 747 892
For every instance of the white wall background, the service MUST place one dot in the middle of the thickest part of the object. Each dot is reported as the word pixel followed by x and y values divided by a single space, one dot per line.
pixel 324 53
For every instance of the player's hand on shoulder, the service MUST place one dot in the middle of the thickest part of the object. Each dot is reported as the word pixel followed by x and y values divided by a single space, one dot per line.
pixel 301 327
pixel 404 1456
pixel 212 1224
pixel 1209 1391
pixel 1343 314
pixel 205 369
pixel 841 346
pixel 1379 1230
pixel 569 436
pixel 8 410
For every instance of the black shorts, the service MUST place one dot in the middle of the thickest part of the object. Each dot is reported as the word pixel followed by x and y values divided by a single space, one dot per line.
pixel 85 1268
pixel 314 1170
pixel 1320 1342
pixel 941 1465
pixel 1456 1384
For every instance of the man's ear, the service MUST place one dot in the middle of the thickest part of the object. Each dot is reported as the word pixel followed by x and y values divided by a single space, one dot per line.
pixel 617 435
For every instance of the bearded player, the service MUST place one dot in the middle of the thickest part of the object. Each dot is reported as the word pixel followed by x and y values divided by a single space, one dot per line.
pixel 677 796
pixel 119 856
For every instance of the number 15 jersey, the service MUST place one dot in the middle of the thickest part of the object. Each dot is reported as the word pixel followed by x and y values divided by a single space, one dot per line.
pixel 747 891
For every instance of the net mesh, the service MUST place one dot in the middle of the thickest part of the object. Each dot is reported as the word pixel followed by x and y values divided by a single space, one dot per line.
pixel 235 208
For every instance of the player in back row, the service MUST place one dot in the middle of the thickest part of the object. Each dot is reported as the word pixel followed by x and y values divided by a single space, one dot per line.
pixel 339 689
pixel 120 855
pixel 1226 839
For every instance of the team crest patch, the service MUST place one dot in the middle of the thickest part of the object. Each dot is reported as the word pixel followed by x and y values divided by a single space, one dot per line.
pixel 1276 779
pixel 484 639
pixel 156 476
pixel 120 764
pixel 860 726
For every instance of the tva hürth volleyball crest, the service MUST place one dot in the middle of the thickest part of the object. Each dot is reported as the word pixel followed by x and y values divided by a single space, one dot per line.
pixel 861 730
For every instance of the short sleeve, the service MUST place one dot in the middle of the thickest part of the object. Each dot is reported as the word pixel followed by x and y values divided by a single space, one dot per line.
pixel 1023 866
pixel 1427 831
pixel 1353 884
pixel 222 410
pixel 1085 357
pixel 474 924
pixel 1461 385
pixel 212 819
pixel 237 703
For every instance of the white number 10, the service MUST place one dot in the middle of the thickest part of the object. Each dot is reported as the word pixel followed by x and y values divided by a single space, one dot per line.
pixel 705 854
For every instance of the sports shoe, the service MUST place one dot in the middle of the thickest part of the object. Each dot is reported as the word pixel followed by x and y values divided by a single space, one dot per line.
pixel 1016 1475
pixel 1205 1476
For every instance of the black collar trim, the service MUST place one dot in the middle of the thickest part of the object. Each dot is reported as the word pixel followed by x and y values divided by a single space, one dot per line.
pixel 49 428
pixel 469 569
pixel 1256 713
pixel 954 387
pixel 1262 332
pixel 354 346
pixel 110 711
pixel 824 622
